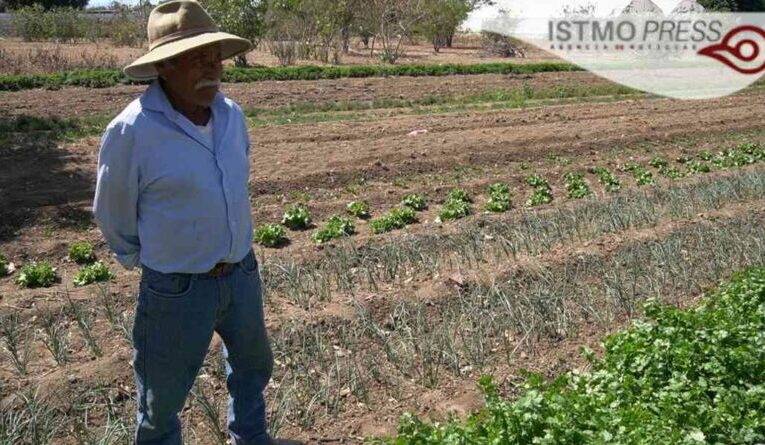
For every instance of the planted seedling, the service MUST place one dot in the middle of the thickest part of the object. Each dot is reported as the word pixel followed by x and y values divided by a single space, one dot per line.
pixel 658 163
pixel 270 235
pixel 459 195
pixel 337 227
pixel 82 253
pixel 359 209
pixel 500 198
pixel 453 209
pixel 576 186
pixel 541 195
pixel 608 179
pixel 415 202
pixel 696 167
pixel 537 181
pixel 297 217
pixel 37 274
pixel 4 266
pixel 92 273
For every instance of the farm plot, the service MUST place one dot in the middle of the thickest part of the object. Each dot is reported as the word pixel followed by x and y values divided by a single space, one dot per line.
pixel 398 269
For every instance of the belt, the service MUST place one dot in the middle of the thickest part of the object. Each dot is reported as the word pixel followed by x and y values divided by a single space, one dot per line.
pixel 221 269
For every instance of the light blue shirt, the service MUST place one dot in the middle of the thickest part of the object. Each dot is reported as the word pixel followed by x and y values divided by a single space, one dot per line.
pixel 165 197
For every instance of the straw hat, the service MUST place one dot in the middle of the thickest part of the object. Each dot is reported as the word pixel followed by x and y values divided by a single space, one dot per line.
pixel 179 26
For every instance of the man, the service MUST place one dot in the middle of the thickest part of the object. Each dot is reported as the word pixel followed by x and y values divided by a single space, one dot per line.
pixel 172 197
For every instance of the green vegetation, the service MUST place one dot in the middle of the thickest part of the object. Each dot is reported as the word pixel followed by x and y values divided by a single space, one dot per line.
pixel 536 180
pixel 82 253
pixel 37 274
pixel 542 191
pixel 92 273
pixel 644 177
pixel 415 202
pixel 108 78
pixel 337 227
pixel 270 235
pixel 576 186
pixel 459 194
pixel 680 377
pixel 397 219
pixel 500 198
pixel 608 179
pixel 658 163
pixel 4 265
pixel 457 206
pixel 671 172
pixel 359 209
pixel 297 217
pixel 696 167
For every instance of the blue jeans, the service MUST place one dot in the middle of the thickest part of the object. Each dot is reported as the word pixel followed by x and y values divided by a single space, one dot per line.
pixel 175 319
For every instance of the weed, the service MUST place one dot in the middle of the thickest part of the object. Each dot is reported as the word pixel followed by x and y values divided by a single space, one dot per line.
pixel 270 235
pixel 297 217
pixel 37 274
pixel 92 273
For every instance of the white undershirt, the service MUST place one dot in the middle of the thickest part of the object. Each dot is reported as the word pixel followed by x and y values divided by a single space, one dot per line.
pixel 207 131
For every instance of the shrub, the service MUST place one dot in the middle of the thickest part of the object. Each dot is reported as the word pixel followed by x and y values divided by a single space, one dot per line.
pixel 414 201
pixel 297 217
pixel 4 265
pixel 34 275
pixel 359 209
pixel 576 186
pixel 270 235
pixel 92 273
pixel 459 195
pixel 337 227
pixel 82 253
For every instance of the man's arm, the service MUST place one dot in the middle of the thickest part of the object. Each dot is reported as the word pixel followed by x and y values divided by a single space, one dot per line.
pixel 116 202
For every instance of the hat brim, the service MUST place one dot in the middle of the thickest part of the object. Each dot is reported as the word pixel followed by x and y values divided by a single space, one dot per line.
pixel 230 46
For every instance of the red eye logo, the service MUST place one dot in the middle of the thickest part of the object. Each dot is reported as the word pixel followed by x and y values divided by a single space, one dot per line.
pixel 741 49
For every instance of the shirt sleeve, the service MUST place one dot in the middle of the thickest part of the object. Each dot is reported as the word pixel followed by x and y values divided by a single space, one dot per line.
pixel 115 206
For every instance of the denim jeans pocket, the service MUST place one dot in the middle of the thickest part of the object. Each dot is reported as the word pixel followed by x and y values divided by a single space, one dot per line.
pixel 172 285
pixel 249 264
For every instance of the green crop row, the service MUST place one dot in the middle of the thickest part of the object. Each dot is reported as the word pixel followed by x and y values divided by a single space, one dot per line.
pixel 108 78
pixel 680 377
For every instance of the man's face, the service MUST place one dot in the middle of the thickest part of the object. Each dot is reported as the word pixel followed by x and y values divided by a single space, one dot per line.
pixel 194 76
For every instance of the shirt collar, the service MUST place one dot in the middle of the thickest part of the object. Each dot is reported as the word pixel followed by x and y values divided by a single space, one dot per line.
pixel 154 98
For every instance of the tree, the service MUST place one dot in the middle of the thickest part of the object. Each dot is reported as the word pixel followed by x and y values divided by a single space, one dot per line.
pixel 390 21
pixel 441 19
pixel 47 4
pixel 245 18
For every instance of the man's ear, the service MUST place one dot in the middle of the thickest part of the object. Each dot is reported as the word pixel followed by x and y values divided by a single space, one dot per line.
pixel 163 68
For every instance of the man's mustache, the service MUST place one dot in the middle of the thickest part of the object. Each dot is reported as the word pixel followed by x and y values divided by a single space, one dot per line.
pixel 207 84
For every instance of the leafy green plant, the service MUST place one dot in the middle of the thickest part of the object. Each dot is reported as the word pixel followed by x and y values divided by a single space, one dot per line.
pixel 459 195
pixel 658 163
pixel 82 253
pixel 405 214
pixel 608 179
pixel 644 177
pixel 4 266
pixel 398 218
pixel 541 196
pixel 359 209
pixel 671 172
pixel 453 209
pixel 297 217
pixel 337 227
pixel 270 235
pixel 576 186
pixel 37 274
pixel 92 273
pixel 415 202
pixel 706 156
pixel 537 181
pixel 679 377
pixel 500 198
pixel 631 167
pixel 696 167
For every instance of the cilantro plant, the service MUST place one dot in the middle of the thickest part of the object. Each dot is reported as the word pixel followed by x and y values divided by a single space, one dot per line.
pixel 92 273
pixel 37 274
pixel 270 235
